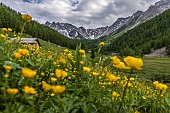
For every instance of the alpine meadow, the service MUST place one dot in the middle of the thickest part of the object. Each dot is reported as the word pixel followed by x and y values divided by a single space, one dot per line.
pixel 44 71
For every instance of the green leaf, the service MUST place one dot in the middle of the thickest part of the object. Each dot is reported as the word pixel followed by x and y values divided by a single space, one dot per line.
pixel 13 65
pixel 30 62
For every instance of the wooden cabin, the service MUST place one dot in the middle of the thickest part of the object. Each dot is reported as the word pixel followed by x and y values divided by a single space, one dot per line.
pixel 34 42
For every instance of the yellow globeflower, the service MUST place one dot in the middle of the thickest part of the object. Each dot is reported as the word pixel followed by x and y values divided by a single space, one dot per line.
pixel 132 79
pixel 113 78
pixel 124 83
pixel 17 55
pixel 3 36
pixel 53 79
pixel 120 65
pixel 86 69
pixel 46 86
pixel 156 82
pixel 4 29
pixel 8 68
pixel 70 55
pixel 65 50
pixel 115 60
pixel 62 60
pixel 9 29
pixel 58 89
pixel 29 90
pixel 58 73
pixel 81 62
pixel 52 94
pixel 133 62
pixel 162 87
pixel 28 73
pixel 101 44
pixel 23 52
pixel 137 112
pixel 63 74
pixel 115 94
pixel 95 74
pixel 82 51
pixel 27 17
pixel 12 91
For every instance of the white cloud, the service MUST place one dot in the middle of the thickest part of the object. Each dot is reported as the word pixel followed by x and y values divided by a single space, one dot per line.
pixel 87 13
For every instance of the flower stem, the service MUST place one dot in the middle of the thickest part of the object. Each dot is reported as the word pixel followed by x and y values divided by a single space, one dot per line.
pixel 124 92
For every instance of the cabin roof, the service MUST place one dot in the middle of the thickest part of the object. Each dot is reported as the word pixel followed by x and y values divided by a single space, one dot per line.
pixel 28 40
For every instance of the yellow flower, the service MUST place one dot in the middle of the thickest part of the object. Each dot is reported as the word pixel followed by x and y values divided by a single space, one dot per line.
pixel 58 73
pixel 46 86
pixel 69 55
pixel 156 82
pixel 28 73
pixel 115 60
pixel 52 74
pixel 42 73
pixel 9 41
pixel 162 87
pixel 86 69
pixel 58 89
pixel 81 62
pixel 12 91
pixel 95 73
pixel 133 62
pixel 29 90
pixel 53 79
pixel 9 29
pixel 52 94
pixel 124 83
pixel 27 17
pixel 82 51
pixel 113 78
pixel 23 52
pixel 65 50
pixel 132 79
pixel 3 36
pixel 4 29
pixel 137 112
pixel 115 94
pixel 17 55
pixel 64 74
pixel 62 60
pixel 120 65
pixel 8 68
pixel 101 44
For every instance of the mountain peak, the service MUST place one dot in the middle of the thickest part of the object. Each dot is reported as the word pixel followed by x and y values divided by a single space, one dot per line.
pixel 72 31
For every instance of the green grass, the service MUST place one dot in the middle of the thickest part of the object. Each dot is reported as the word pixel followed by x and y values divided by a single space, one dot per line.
pixel 44 44
pixel 50 46
pixel 156 69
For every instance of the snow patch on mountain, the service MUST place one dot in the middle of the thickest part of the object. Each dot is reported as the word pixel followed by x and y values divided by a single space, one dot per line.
pixel 73 32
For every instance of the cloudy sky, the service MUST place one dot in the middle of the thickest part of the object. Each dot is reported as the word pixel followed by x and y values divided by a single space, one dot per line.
pixel 87 13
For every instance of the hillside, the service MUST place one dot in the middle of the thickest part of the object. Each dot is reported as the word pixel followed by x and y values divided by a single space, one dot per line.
pixel 152 34
pixel 12 19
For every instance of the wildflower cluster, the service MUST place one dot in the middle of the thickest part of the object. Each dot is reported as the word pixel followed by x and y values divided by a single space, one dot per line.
pixel 41 80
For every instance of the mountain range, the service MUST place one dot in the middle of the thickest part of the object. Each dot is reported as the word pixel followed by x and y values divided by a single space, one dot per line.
pixel 129 22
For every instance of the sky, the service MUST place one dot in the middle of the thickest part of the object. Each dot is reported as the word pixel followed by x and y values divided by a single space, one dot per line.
pixel 86 13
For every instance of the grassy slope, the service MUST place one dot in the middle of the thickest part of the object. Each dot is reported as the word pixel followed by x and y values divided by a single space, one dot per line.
pixel 50 46
pixel 44 44
pixel 156 69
